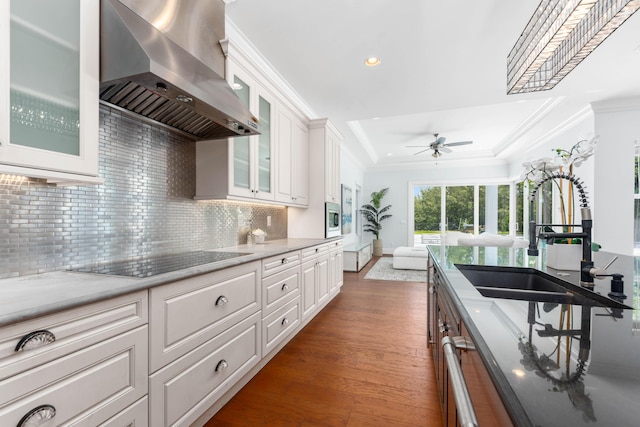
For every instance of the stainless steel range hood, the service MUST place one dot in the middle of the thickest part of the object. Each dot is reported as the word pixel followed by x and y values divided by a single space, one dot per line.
pixel 143 71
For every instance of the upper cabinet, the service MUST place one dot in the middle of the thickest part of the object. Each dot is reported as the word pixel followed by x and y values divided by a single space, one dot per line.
pixel 243 165
pixel 292 154
pixel 272 167
pixel 49 84
pixel 325 144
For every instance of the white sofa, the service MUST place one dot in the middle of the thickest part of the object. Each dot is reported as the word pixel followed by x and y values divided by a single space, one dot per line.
pixel 407 258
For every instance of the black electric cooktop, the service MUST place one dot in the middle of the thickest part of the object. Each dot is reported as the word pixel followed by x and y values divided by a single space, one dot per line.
pixel 145 267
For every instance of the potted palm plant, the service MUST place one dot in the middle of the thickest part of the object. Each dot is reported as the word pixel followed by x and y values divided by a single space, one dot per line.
pixel 375 214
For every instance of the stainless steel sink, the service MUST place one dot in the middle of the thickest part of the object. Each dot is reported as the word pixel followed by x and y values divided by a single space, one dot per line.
pixel 529 284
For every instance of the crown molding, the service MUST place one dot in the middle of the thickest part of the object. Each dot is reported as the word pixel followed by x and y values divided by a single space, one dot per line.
pixel 253 55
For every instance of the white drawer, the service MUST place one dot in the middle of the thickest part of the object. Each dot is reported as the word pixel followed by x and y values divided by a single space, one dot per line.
pixel 281 262
pixel 86 387
pixel 70 330
pixel 279 325
pixel 280 288
pixel 336 245
pixel 183 390
pixel 189 312
pixel 314 251
pixel 136 415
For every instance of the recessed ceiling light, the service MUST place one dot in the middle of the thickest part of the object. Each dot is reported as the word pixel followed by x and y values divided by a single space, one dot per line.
pixel 372 61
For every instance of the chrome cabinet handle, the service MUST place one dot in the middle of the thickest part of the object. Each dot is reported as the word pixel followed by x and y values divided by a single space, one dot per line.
pixel 222 300
pixel 34 340
pixel 284 322
pixel 460 392
pixel 37 416
pixel 285 287
pixel 222 366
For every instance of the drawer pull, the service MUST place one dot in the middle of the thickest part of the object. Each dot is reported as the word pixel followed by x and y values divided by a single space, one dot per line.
pixel 285 261
pixel 222 300
pixel 34 340
pixel 285 287
pixel 285 322
pixel 38 416
pixel 222 366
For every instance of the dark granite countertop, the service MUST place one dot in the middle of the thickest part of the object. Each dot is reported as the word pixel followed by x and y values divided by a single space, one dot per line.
pixel 27 297
pixel 589 376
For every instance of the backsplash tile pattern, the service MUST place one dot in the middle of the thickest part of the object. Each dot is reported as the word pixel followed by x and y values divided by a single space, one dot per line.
pixel 144 208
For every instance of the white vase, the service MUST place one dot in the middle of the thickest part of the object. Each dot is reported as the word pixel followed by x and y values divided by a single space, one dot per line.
pixel 564 257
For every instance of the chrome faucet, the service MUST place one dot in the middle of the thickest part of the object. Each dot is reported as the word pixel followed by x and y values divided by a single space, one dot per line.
pixel 586 264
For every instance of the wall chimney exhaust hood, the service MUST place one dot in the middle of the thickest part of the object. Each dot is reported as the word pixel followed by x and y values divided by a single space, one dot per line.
pixel 145 72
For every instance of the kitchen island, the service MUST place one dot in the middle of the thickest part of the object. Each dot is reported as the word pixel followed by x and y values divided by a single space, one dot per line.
pixel 550 364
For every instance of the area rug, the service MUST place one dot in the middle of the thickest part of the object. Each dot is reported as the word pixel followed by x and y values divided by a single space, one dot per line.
pixel 383 270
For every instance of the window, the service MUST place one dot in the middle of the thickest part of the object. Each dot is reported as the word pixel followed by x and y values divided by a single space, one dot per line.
pixel 427 202
pixel 438 210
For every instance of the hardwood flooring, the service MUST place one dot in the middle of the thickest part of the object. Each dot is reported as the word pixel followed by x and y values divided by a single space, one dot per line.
pixel 362 361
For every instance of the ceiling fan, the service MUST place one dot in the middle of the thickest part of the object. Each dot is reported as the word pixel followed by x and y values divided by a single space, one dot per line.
pixel 438 146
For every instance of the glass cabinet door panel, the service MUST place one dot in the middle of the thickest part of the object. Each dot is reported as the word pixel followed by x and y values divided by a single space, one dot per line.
pixel 45 75
pixel 241 155
pixel 264 146
pixel 242 145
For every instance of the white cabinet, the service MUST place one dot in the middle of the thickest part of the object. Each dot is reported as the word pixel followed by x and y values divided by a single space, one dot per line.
pixel 204 336
pixel 241 167
pixel 356 256
pixel 189 312
pixel 325 150
pixel 180 392
pixel 324 180
pixel 49 85
pixel 335 267
pixel 50 365
pixel 315 279
pixel 292 151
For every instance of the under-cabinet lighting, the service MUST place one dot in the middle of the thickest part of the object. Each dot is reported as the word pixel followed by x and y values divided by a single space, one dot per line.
pixel 12 179
pixel 560 34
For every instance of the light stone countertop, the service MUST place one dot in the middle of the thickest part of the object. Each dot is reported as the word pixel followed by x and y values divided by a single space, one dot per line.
pixel 27 297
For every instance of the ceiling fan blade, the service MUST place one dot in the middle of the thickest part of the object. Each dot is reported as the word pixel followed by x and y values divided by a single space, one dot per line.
pixel 453 144
pixel 444 149
pixel 416 146
pixel 440 140
pixel 422 151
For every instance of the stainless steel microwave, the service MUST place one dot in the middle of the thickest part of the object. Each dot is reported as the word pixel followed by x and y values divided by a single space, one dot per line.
pixel 332 220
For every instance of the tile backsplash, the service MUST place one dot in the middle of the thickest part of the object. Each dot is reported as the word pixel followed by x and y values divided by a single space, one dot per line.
pixel 144 208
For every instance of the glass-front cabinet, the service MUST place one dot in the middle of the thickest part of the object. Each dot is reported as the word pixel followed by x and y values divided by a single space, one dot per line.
pixel 252 165
pixel 49 79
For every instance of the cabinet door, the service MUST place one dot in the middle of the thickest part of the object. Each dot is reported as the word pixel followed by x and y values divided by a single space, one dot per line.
pixel 300 166
pixel 332 172
pixel 49 81
pixel 322 271
pixel 309 284
pixel 251 158
pixel 285 152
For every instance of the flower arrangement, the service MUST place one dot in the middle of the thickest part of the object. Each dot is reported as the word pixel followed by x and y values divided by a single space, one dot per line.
pixel 564 161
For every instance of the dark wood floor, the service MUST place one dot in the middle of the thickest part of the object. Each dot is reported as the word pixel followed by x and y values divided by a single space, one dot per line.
pixel 362 361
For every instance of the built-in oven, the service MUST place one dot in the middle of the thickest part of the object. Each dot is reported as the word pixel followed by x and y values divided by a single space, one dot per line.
pixel 332 220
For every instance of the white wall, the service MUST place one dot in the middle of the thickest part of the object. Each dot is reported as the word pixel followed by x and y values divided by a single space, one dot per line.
pixel 352 175
pixel 618 125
